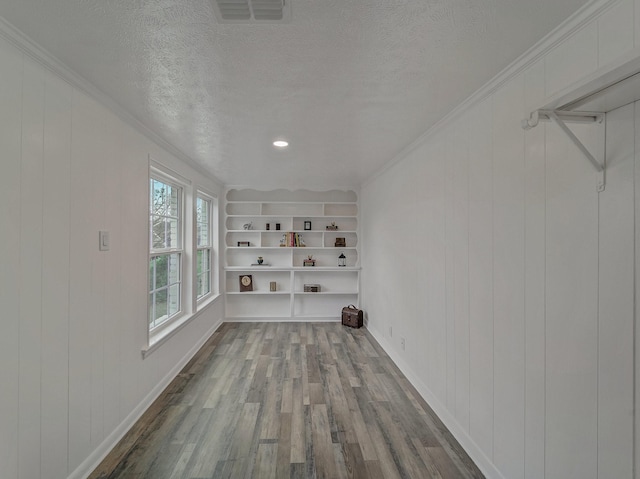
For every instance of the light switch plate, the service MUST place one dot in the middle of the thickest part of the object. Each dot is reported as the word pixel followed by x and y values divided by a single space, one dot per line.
pixel 103 240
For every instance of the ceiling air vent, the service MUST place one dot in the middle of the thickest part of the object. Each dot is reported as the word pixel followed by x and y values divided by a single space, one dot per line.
pixel 253 11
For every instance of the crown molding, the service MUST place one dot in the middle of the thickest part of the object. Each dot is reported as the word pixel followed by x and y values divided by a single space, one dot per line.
pixel 41 56
pixel 565 30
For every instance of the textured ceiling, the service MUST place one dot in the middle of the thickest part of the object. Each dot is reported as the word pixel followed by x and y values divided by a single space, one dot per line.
pixel 349 83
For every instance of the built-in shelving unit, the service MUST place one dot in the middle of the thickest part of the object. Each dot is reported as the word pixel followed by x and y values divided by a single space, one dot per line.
pixel 251 221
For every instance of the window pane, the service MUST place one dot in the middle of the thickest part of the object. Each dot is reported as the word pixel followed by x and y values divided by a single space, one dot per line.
pixel 173 300
pixel 203 221
pixel 158 235
pixel 203 235
pixel 172 234
pixel 160 306
pixel 204 286
pixel 151 309
pixel 172 201
pixel 164 233
pixel 164 199
pixel 203 272
pixel 162 271
pixel 173 268
pixel 199 212
pixel 165 212
pixel 199 262
pixel 152 274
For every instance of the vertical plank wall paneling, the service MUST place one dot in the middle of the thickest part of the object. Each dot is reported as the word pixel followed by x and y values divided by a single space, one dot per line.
pixel 571 310
pixel 10 139
pixel 481 276
pixel 132 211
pixel 434 173
pixel 82 306
pixel 93 150
pixel 408 193
pixel 534 280
pixel 615 315
pixel 29 277
pixel 460 202
pixel 422 214
pixel 55 276
pixel 550 272
pixel 113 313
pixel 449 278
pixel 74 318
pixel 508 280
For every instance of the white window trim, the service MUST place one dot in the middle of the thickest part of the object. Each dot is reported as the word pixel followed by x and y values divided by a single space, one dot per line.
pixel 211 247
pixel 156 174
pixel 190 307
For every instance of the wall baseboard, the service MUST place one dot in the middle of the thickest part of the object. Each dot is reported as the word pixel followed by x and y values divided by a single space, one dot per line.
pixel 468 444
pixel 97 456
pixel 284 319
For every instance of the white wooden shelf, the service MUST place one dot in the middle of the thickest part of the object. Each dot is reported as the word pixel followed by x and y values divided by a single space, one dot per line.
pixel 291 209
pixel 291 268
pixel 256 293
pixel 321 293
pixel 283 231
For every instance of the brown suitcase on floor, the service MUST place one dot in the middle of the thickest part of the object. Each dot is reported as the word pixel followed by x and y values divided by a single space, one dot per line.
pixel 352 316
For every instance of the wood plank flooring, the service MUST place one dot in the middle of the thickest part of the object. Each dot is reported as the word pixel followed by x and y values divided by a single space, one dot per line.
pixel 288 400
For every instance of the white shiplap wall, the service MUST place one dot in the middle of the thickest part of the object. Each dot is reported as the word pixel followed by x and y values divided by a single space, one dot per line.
pixel 489 249
pixel 73 318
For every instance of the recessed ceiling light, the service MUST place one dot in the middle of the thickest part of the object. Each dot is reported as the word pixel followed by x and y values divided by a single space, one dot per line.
pixel 280 144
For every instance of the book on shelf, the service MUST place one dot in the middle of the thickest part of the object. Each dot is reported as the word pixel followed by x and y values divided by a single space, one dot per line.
pixel 292 240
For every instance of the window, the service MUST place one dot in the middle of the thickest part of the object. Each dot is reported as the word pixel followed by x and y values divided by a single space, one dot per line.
pixel 204 246
pixel 165 259
pixel 182 252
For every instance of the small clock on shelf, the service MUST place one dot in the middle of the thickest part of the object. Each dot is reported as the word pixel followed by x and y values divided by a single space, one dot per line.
pixel 246 282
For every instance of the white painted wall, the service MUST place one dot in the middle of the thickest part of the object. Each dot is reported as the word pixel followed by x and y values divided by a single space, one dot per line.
pixel 489 249
pixel 73 319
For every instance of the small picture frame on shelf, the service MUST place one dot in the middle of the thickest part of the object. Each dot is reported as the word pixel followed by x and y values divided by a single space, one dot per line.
pixel 307 225
pixel 341 243
pixel 244 243
pixel 246 282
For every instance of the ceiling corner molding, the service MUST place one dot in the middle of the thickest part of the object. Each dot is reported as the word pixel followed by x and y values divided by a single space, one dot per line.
pixel 566 29
pixel 41 56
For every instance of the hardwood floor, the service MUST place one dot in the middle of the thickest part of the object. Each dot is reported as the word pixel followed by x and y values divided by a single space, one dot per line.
pixel 288 400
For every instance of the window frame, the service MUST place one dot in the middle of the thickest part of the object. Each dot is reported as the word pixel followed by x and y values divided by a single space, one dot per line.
pixel 179 250
pixel 210 201
pixel 190 305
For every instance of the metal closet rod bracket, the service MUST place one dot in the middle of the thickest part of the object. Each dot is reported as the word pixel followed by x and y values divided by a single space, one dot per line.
pixel 561 118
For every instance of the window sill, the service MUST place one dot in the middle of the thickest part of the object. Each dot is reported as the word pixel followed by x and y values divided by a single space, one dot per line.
pixel 161 337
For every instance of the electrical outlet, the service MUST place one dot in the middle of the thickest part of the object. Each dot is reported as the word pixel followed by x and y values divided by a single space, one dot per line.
pixel 402 343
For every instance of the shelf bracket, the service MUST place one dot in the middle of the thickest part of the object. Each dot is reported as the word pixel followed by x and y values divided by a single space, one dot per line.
pixel 561 118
